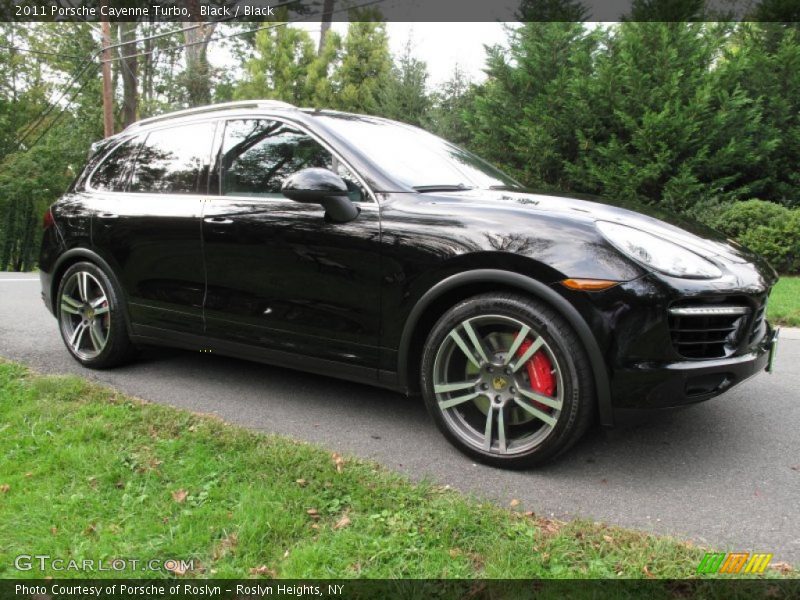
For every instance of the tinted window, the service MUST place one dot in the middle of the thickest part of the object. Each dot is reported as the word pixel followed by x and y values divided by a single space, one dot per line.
pixel 114 171
pixel 258 155
pixel 174 160
pixel 413 156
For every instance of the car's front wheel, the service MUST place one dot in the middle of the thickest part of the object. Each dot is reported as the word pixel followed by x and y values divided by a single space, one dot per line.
pixel 90 317
pixel 507 381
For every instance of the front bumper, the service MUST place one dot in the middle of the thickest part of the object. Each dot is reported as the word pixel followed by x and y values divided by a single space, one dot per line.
pixel 666 385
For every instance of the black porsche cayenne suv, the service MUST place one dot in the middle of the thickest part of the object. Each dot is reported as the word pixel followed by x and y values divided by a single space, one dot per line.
pixel 371 250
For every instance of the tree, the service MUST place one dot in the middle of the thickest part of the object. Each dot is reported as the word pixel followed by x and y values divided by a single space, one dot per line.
pixel 280 65
pixel 659 126
pixel 450 105
pixel 54 138
pixel 365 67
pixel 319 88
pixel 404 96
pixel 524 116
pixel 763 61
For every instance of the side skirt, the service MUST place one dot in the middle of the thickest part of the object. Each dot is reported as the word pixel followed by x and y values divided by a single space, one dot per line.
pixel 146 334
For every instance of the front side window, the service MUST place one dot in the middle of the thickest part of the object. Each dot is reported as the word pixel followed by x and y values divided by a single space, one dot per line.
pixel 113 173
pixel 258 155
pixel 174 160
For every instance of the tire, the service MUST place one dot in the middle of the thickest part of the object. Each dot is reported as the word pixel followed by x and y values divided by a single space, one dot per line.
pixel 521 340
pixel 91 317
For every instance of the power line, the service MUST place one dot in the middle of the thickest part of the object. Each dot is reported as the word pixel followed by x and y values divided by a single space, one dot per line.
pixel 42 52
pixel 168 49
pixel 249 31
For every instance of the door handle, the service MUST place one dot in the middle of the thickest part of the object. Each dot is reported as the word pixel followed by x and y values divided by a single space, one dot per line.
pixel 218 221
pixel 107 216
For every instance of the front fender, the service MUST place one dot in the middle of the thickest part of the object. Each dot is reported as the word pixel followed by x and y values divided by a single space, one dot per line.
pixel 527 285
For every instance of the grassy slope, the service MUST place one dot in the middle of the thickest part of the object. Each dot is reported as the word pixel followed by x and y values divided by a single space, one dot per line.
pixel 784 302
pixel 86 472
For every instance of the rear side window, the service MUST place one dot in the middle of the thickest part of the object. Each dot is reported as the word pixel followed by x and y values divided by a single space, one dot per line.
pixel 174 160
pixel 114 172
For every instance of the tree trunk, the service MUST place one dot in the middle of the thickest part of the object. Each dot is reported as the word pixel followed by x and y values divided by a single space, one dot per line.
pixel 197 76
pixel 325 23
pixel 130 73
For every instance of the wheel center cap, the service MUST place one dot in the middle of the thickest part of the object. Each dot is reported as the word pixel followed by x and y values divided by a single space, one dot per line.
pixel 499 383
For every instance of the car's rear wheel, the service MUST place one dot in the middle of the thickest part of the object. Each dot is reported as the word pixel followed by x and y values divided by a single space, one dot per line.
pixel 507 380
pixel 90 317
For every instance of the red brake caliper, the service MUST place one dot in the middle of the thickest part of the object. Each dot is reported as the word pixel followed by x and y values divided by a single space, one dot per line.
pixel 540 372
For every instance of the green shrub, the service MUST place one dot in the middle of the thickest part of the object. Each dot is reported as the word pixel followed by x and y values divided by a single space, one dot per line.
pixel 769 229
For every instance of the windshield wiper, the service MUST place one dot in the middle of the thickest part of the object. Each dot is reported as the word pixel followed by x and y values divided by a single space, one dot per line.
pixel 442 188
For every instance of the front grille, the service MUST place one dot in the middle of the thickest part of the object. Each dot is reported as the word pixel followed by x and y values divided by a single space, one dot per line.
pixel 711 330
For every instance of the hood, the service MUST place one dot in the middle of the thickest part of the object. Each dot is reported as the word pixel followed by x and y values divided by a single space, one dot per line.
pixel 688 233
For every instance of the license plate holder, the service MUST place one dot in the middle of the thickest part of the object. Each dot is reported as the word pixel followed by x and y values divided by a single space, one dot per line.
pixel 773 350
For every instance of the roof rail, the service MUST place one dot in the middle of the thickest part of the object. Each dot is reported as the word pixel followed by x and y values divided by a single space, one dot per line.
pixel 212 108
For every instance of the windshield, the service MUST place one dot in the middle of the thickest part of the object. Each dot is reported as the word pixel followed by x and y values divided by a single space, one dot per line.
pixel 415 157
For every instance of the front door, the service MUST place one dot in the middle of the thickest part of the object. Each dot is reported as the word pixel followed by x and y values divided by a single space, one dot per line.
pixel 279 276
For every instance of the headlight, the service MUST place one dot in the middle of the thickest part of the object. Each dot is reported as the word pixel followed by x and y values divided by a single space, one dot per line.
pixel 658 253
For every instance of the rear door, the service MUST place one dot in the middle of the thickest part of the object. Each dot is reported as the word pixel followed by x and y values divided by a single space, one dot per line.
pixel 279 275
pixel 151 230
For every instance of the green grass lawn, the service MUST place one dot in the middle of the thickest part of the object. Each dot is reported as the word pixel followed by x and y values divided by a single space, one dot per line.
pixel 784 302
pixel 88 473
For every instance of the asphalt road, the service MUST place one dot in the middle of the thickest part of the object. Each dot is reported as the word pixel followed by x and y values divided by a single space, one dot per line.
pixel 724 473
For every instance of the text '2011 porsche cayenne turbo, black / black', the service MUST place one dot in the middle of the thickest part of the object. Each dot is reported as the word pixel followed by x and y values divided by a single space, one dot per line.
pixel 370 250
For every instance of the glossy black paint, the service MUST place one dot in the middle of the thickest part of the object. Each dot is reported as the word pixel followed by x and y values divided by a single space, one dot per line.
pixel 275 280
pixel 322 187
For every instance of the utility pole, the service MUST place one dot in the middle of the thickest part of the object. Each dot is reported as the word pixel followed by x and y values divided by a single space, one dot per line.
pixel 108 106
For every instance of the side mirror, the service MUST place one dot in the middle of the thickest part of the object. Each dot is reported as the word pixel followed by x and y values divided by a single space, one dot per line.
pixel 320 186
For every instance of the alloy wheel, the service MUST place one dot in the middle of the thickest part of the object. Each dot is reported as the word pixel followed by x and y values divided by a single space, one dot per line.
pixel 487 381
pixel 85 315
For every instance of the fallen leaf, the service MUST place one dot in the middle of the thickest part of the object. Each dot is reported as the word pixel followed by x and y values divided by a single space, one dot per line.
pixel 608 538
pixel 286 554
pixel 263 571
pixel 301 482
pixel 312 512
pixel 224 547
pixel 782 567
pixel 176 567
pixel 647 572
pixel 514 503
pixel 179 496
pixel 549 527
pixel 342 523
pixel 528 513
pixel 4 488
pixel 338 461
pixel 314 526
pixel 54 530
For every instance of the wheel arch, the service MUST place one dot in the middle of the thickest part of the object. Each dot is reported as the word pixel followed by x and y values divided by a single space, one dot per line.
pixel 460 286
pixel 76 255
